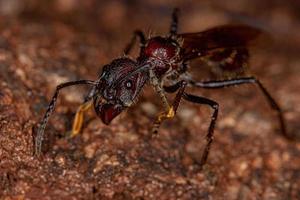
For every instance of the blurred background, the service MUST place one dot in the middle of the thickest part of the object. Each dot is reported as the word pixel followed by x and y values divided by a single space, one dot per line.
pixel 113 17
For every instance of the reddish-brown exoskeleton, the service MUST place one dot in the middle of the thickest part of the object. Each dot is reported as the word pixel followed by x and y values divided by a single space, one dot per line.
pixel 164 59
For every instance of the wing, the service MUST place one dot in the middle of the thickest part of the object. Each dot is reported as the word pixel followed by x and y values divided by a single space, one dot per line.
pixel 227 62
pixel 224 48
pixel 228 36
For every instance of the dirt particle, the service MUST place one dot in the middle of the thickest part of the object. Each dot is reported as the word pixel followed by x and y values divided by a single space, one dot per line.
pixel 149 108
pixel 90 150
pixel 105 160
pixel 60 160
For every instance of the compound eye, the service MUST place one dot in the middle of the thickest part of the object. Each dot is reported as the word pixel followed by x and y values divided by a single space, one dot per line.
pixel 128 84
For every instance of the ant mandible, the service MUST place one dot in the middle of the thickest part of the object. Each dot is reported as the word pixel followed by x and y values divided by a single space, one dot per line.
pixel 163 59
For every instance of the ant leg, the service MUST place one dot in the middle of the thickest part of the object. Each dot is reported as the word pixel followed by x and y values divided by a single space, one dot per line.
pixel 50 109
pixel 174 24
pixel 173 88
pixel 171 111
pixel 136 34
pixel 246 80
pixel 156 84
pixel 78 120
pixel 210 135
pixel 200 100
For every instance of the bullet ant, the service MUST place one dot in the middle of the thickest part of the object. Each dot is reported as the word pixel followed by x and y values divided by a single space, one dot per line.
pixel 162 59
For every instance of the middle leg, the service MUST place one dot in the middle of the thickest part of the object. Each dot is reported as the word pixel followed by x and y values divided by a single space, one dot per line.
pixel 210 135
pixel 200 100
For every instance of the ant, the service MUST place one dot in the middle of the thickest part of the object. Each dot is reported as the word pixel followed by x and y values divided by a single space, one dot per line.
pixel 162 59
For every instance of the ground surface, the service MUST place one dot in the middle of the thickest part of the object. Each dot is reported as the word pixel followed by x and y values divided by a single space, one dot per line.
pixel 44 44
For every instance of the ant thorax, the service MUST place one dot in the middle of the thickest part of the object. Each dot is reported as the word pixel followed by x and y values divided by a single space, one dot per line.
pixel 162 53
pixel 172 76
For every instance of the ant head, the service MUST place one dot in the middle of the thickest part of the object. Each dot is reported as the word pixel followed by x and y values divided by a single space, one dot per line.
pixel 118 88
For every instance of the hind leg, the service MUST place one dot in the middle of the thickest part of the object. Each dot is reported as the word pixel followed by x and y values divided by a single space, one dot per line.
pixel 248 80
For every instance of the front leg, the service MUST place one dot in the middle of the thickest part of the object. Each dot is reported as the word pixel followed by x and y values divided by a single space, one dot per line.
pixel 79 116
pixel 169 110
pixel 78 120
pixel 156 84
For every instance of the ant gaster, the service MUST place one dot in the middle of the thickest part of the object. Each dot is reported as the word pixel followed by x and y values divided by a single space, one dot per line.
pixel 162 59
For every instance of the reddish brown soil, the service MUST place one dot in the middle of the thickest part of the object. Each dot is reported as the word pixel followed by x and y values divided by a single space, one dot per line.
pixel 44 44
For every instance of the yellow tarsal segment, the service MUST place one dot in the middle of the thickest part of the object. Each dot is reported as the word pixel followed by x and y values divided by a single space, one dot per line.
pixel 166 115
pixel 78 120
